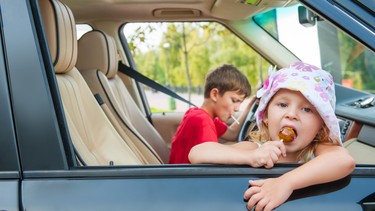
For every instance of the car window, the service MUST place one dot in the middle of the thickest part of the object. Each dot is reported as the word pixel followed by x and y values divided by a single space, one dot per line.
pixel 318 42
pixel 179 54
pixel 352 64
pixel 82 29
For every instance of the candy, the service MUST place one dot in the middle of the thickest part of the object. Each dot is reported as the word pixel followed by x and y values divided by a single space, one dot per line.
pixel 287 134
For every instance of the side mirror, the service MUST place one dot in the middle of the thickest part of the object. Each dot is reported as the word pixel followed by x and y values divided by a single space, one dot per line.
pixel 306 17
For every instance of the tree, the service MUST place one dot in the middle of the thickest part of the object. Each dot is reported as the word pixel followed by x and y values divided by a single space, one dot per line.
pixel 194 49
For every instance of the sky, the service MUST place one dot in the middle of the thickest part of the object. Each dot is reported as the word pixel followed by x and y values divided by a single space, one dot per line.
pixel 304 42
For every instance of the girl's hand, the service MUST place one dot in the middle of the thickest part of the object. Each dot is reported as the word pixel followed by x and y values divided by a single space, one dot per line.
pixel 267 194
pixel 267 154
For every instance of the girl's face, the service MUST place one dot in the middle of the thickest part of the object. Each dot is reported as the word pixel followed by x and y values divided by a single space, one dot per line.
pixel 292 109
pixel 227 104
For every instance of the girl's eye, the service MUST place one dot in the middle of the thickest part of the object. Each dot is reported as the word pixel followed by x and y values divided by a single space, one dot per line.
pixel 308 110
pixel 283 105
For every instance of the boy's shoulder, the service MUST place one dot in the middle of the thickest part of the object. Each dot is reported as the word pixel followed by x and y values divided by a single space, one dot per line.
pixel 196 114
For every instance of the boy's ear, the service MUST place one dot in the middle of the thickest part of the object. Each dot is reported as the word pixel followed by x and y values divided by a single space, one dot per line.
pixel 214 94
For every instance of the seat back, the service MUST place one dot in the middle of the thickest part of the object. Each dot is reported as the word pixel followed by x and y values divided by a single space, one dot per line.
pixel 92 134
pixel 98 63
pixel 362 148
pixel 361 152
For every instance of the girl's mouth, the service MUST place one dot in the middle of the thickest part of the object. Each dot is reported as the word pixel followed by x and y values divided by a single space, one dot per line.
pixel 287 134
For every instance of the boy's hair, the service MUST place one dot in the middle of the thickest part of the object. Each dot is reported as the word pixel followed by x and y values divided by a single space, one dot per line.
pixel 227 78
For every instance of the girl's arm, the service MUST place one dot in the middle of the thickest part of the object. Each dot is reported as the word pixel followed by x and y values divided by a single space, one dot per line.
pixel 330 163
pixel 242 153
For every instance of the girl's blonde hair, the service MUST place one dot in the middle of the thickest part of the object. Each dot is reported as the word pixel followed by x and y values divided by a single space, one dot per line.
pixel 306 154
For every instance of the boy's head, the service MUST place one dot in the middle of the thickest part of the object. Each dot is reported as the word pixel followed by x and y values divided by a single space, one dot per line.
pixel 315 84
pixel 227 78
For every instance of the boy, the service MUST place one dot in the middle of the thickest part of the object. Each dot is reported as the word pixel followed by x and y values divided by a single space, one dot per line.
pixel 225 89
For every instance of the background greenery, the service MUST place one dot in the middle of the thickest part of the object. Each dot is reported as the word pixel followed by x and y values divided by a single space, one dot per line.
pixel 187 51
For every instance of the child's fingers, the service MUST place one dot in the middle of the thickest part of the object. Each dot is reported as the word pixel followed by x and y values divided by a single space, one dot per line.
pixel 283 149
pixel 266 160
pixel 254 199
pixel 268 156
pixel 280 145
pixel 270 206
pixel 274 152
pixel 250 192
pixel 269 164
pixel 261 204
pixel 256 182
pixel 253 194
pixel 275 155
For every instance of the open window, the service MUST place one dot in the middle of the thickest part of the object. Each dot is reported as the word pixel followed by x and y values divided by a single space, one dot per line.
pixel 178 55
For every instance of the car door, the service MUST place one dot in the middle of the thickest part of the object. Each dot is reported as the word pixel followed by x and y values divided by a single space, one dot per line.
pixel 53 180
pixel 28 126
pixel 9 163
pixel 182 188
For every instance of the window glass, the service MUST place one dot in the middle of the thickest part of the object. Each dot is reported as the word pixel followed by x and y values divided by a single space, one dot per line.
pixel 179 54
pixel 320 43
pixel 82 29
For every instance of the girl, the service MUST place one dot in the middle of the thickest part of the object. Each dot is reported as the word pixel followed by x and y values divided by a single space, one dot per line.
pixel 300 97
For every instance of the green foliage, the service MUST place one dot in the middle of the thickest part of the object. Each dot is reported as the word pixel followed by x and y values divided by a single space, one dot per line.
pixel 156 110
pixel 355 61
pixel 208 45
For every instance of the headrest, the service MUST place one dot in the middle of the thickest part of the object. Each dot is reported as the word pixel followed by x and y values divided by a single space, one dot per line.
pixel 61 35
pixel 97 50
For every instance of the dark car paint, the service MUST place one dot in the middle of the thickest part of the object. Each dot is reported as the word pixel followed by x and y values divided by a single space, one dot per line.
pixel 36 129
pixel 198 188
pixel 36 162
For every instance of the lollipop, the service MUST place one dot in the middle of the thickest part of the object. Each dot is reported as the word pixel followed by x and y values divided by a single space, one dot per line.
pixel 287 134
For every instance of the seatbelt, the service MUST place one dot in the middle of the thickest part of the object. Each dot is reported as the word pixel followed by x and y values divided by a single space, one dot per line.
pixel 150 83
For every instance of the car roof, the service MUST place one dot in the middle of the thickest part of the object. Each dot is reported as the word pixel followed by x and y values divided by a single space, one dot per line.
pixel 163 10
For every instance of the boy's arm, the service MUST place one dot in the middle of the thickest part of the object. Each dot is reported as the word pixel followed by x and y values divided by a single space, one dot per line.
pixel 331 163
pixel 233 130
pixel 242 153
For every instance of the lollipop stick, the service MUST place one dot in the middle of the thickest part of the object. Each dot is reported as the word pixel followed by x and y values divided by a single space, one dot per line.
pixel 235 119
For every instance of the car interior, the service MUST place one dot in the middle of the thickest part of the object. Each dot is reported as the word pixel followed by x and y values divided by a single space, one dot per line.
pixel 93 135
pixel 106 118
pixel 97 59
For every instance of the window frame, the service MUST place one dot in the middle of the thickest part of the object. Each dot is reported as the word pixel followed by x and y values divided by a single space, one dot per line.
pixel 344 19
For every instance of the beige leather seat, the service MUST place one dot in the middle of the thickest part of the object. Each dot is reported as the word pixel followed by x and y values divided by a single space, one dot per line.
pixel 92 134
pixel 362 153
pixel 98 63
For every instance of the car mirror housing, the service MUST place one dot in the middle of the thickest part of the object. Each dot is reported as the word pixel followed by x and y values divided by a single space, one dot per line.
pixel 306 17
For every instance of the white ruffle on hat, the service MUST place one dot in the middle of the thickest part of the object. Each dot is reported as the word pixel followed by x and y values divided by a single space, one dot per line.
pixel 314 83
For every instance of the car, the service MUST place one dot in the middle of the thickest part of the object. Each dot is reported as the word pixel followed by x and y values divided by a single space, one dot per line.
pixel 64 147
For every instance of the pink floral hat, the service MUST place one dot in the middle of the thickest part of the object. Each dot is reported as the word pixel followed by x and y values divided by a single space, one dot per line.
pixel 314 83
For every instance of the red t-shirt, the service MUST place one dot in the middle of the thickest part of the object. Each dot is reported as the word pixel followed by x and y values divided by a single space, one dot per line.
pixel 196 127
